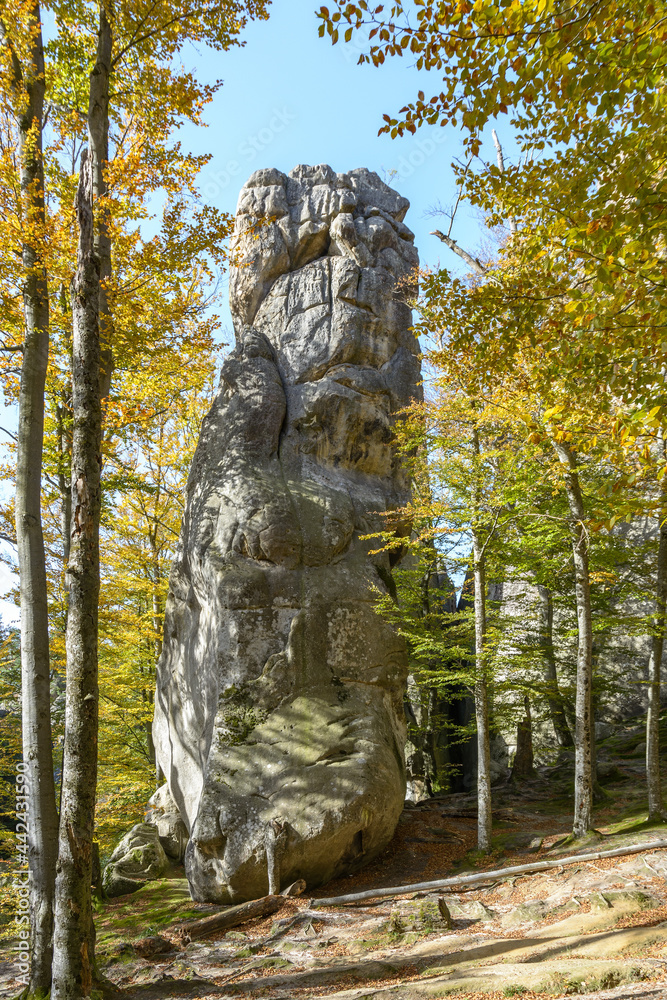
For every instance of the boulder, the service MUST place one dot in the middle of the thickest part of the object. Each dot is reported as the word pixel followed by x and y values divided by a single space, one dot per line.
pixel 163 814
pixel 279 718
pixel 420 915
pixel 526 913
pixel 138 858
pixel 475 910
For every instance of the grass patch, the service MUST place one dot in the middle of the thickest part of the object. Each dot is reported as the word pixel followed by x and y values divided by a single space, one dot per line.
pixel 147 911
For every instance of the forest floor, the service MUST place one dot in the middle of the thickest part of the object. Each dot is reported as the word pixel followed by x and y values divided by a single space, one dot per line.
pixel 598 928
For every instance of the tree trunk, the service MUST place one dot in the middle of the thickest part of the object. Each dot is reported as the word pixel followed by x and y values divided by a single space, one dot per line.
pixel 484 818
pixel 554 697
pixel 28 85
pixel 231 916
pixel 524 765
pixel 599 794
pixel 64 482
pixel 583 775
pixel 485 876
pixel 158 625
pixel 655 806
pixel 74 940
pixel 98 143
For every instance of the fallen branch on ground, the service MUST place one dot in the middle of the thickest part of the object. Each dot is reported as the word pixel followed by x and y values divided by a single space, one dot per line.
pixel 232 916
pixel 445 883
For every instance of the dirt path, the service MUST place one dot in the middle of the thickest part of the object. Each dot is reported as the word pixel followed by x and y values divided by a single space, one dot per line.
pixel 598 928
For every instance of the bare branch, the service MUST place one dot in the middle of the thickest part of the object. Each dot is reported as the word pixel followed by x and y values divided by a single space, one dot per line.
pixel 499 151
pixel 462 880
pixel 468 258
pixel 458 197
pixel 501 167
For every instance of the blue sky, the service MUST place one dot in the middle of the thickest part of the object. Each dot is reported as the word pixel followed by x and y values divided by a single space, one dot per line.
pixel 291 97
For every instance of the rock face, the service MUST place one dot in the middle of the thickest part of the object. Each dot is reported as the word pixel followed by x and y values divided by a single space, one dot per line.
pixel 163 814
pixel 137 859
pixel 279 719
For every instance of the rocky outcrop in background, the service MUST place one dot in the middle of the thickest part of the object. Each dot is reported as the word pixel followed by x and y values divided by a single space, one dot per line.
pixel 279 711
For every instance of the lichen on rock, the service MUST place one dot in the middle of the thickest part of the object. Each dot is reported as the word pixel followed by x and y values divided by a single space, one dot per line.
pixel 137 859
pixel 279 718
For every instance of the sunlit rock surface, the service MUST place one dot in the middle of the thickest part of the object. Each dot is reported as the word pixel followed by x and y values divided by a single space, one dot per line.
pixel 137 859
pixel 279 719
pixel 163 814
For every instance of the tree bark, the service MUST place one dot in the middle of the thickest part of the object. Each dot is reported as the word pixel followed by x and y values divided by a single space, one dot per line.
pixel 275 837
pixel 28 85
pixel 64 483
pixel 655 804
pixel 554 696
pixel 484 817
pixel 524 766
pixel 92 365
pixel 232 916
pixel 98 145
pixel 74 940
pixel 583 774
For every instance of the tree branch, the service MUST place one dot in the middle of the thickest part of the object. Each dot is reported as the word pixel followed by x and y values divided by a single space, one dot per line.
pixel 468 258
pixel 501 167
pixel 462 880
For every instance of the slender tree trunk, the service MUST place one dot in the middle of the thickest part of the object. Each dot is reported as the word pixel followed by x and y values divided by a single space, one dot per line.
pixel 583 774
pixel 158 611
pixel 74 940
pixel 28 91
pixel 64 482
pixel 655 804
pixel 599 794
pixel 554 696
pixel 158 623
pixel 524 763
pixel 98 143
pixel 484 818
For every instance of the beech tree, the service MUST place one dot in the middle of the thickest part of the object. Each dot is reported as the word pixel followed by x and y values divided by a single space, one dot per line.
pixel 24 86
pixel 73 933
pixel 454 446
pixel 91 46
pixel 584 733
pixel 151 37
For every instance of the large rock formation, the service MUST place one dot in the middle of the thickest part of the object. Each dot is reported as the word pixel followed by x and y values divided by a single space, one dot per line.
pixel 279 719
